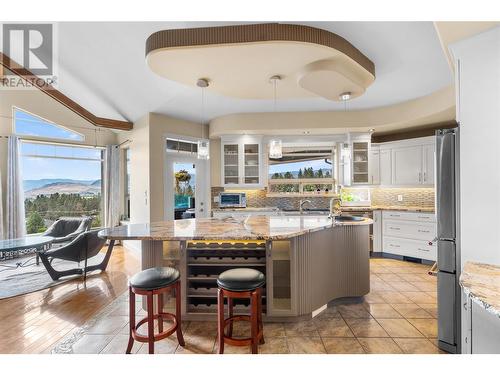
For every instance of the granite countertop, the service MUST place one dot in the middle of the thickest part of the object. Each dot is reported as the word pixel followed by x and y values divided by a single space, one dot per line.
pixel 246 209
pixel 343 209
pixel 389 208
pixel 482 283
pixel 253 227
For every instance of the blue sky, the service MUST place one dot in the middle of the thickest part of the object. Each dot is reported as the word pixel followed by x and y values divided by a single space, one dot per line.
pixel 36 168
pixel 315 164
pixel 40 168
pixel 28 124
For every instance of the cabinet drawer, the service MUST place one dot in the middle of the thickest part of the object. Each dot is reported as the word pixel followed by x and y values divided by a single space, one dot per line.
pixel 413 216
pixel 411 248
pixel 409 229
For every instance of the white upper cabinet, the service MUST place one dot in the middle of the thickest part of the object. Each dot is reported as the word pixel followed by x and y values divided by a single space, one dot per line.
pixel 407 165
pixel 385 167
pixel 403 163
pixel 374 166
pixel 241 165
pixel 429 159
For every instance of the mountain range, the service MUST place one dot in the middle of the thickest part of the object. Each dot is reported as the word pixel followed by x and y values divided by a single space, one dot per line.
pixel 32 188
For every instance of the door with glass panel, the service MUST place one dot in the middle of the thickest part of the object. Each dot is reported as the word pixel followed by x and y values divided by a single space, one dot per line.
pixel 185 188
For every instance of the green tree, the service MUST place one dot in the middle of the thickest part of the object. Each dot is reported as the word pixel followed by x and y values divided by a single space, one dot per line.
pixel 300 174
pixel 35 223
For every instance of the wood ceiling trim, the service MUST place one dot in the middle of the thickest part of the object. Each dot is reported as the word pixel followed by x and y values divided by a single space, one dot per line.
pixel 55 94
pixel 266 32
pixel 417 132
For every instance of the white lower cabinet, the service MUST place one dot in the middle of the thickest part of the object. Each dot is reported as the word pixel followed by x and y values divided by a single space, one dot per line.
pixel 409 234
pixel 480 328
pixel 377 231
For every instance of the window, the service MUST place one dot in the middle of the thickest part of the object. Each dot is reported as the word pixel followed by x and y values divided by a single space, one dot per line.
pixel 181 146
pixel 34 126
pixel 60 180
pixel 302 170
pixel 127 183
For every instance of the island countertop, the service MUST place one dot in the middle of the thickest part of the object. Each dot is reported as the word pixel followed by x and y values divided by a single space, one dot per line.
pixel 481 282
pixel 253 227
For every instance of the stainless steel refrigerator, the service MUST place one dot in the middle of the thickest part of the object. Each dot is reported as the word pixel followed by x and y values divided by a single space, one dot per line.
pixel 448 239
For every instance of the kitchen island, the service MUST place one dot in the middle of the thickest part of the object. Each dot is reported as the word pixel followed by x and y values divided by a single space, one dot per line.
pixel 308 261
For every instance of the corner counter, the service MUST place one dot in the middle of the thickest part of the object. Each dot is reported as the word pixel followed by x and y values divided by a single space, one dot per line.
pixel 308 260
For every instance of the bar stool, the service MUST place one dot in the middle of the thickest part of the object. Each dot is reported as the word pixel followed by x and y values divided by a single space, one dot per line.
pixel 240 283
pixel 151 282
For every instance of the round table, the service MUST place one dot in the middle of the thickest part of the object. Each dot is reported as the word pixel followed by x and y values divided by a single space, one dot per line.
pixel 11 248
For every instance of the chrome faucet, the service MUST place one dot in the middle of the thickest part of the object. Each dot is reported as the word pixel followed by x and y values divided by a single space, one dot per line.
pixel 301 204
pixel 335 207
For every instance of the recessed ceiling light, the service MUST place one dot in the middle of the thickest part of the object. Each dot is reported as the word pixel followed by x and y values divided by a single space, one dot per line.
pixel 306 132
pixel 371 130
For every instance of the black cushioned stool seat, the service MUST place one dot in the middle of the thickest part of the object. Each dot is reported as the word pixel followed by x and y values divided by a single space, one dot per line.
pixel 237 284
pixel 155 278
pixel 241 279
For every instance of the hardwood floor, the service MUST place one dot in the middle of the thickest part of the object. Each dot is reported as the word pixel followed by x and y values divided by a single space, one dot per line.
pixel 397 316
pixel 35 322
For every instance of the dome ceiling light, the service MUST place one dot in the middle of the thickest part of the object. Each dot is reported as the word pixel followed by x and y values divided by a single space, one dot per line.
pixel 313 62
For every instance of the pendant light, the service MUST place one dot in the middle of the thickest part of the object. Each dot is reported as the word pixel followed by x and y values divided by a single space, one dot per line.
pixel 275 145
pixel 203 145
pixel 345 96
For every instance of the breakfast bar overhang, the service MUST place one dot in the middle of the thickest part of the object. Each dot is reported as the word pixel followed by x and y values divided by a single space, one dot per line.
pixel 309 261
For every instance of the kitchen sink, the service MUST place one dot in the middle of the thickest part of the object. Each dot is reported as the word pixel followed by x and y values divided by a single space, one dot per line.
pixel 349 218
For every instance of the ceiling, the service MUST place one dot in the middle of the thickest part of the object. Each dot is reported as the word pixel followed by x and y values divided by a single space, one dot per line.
pixel 102 66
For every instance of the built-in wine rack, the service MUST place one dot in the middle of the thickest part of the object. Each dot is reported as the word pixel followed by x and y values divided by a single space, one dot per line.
pixel 206 260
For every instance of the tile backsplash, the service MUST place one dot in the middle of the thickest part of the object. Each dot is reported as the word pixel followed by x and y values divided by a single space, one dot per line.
pixel 421 197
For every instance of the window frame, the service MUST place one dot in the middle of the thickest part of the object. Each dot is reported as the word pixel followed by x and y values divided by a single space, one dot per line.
pixel 49 139
pixel 100 160
pixel 303 181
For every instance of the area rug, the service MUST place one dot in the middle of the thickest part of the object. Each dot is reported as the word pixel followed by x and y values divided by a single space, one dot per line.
pixel 22 275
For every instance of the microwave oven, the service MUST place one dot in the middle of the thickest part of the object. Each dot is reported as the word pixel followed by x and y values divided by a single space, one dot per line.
pixel 232 200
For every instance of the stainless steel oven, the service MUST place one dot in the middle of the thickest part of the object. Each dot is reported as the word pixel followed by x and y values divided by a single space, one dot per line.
pixel 232 200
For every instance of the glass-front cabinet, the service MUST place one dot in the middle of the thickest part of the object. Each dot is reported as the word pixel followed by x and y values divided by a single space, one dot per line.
pixel 242 162
pixel 231 164
pixel 360 162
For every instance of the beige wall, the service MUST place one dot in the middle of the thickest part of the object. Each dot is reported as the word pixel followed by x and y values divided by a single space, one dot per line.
pixel 148 165
pixel 437 107
pixel 139 172
pixel 42 105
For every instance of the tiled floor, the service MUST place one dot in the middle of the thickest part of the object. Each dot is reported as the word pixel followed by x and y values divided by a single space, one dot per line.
pixel 397 316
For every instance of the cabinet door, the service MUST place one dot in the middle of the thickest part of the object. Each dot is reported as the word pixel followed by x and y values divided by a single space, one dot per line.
pixel 231 165
pixel 485 331
pixel 429 156
pixel 279 293
pixel 360 163
pixel 377 231
pixel 251 159
pixel 374 167
pixel 407 165
pixel 385 168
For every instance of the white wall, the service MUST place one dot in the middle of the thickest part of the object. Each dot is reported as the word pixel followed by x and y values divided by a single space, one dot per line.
pixel 478 111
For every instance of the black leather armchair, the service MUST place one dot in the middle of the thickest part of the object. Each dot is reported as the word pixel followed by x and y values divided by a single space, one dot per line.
pixel 81 249
pixel 66 229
